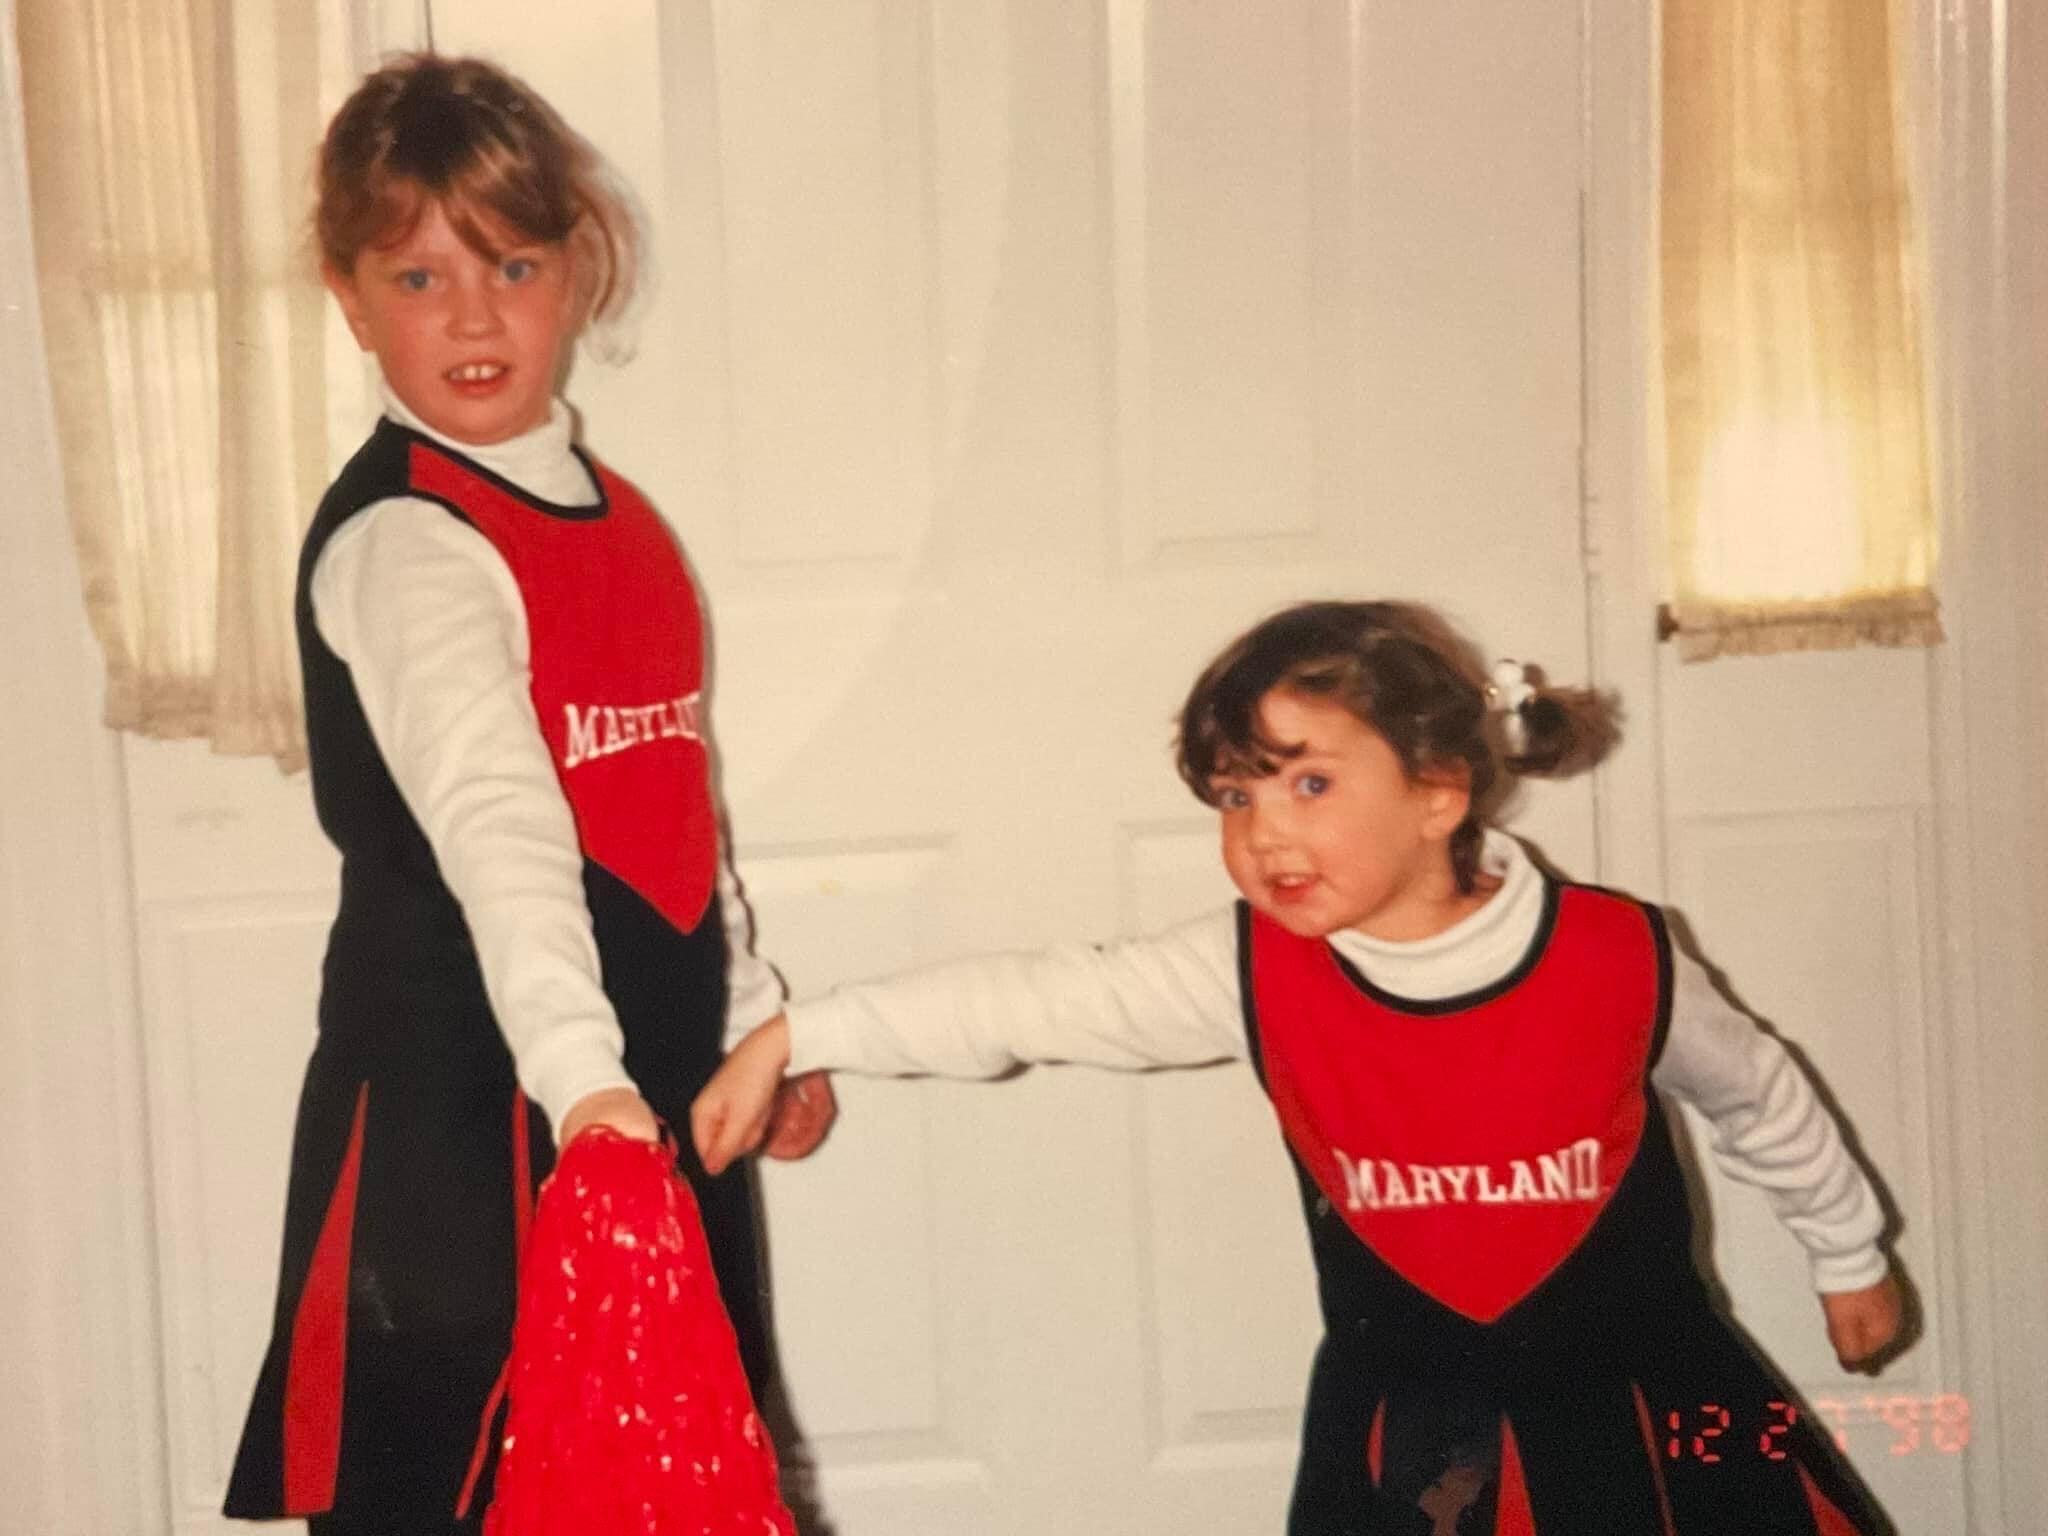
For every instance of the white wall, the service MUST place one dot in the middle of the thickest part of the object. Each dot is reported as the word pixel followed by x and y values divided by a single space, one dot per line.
pixel 80 1400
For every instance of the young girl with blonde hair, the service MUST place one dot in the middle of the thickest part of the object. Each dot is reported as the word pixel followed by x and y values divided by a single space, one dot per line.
pixel 538 930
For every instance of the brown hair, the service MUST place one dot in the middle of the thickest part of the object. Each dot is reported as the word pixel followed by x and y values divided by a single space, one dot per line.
pixel 1403 671
pixel 485 147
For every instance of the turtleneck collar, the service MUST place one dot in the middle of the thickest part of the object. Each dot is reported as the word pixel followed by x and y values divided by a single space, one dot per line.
pixel 538 461
pixel 1473 953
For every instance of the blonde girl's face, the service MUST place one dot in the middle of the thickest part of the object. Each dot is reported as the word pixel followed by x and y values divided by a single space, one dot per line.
pixel 473 346
pixel 1340 836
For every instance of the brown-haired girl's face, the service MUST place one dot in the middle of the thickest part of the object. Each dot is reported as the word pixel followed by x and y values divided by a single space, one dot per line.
pixel 473 344
pixel 1338 836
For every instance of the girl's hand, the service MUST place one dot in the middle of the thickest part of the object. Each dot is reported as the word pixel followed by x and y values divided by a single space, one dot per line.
pixel 730 1116
pixel 1863 1324
pixel 802 1113
pixel 621 1109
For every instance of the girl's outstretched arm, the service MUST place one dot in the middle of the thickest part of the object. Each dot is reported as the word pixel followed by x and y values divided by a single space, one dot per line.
pixel 1170 1000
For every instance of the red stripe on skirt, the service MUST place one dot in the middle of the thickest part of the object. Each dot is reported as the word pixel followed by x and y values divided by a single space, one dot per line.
pixel 1376 1442
pixel 1513 1517
pixel 1656 1461
pixel 1827 1520
pixel 319 1350
pixel 522 1218
pixel 522 1174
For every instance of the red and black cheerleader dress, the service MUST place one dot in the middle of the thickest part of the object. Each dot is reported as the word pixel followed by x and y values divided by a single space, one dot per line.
pixel 416 1157
pixel 1518 1341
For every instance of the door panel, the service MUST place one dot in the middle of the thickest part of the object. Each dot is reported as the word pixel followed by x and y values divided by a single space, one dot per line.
pixel 1804 863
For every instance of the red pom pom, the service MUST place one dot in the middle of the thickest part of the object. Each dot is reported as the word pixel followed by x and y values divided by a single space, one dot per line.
pixel 630 1413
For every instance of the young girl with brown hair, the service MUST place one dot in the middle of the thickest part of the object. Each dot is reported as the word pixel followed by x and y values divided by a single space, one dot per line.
pixel 1461 1053
pixel 538 930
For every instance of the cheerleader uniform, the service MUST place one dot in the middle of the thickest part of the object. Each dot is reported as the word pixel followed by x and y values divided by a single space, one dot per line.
pixel 503 665
pixel 1517 1341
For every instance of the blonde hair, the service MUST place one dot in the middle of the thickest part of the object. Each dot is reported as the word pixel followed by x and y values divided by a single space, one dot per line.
pixel 497 159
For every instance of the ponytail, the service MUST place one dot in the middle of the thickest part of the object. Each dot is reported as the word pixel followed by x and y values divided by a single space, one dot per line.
pixel 1552 732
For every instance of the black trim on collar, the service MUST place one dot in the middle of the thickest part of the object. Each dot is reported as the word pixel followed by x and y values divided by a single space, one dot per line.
pixel 1433 1007
pixel 588 513
pixel 1661 936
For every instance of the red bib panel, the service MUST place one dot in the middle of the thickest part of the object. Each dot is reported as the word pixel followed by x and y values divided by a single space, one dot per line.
pixel 617 648
pixel 1471 1149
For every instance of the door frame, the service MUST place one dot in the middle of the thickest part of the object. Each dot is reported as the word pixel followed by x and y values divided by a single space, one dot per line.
pixel 1989 704
pixel 1982 159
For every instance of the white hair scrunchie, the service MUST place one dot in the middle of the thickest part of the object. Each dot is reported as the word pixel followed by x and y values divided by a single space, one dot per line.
pixel 1510 691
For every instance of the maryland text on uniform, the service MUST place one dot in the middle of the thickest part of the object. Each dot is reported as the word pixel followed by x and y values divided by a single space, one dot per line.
pixel 599 730
pixel 1378 1184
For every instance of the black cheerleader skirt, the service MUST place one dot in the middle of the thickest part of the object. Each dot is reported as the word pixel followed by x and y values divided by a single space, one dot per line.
pixel 415 1164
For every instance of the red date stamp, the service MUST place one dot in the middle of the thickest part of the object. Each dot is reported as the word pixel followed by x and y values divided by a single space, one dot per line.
pixel 1936 1424
pixel 1712 1432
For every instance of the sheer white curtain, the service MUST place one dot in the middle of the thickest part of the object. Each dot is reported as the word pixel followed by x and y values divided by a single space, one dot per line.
pixel 170 150
pixel 1801 514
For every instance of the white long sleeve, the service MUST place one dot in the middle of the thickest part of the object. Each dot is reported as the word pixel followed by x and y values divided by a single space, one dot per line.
pixel 1169 1001
pixel 431 623
pixel 1771 1129
pixel 1176 1000
pixel 754 989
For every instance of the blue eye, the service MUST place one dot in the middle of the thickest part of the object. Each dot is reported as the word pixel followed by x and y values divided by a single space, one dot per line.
pixel 1230 798
pixel 517 269
pixel 414 279
pixel 1309 785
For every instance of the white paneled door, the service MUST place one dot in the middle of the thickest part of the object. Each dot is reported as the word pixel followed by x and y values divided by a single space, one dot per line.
pixel 1813 877
pixel 1005 358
